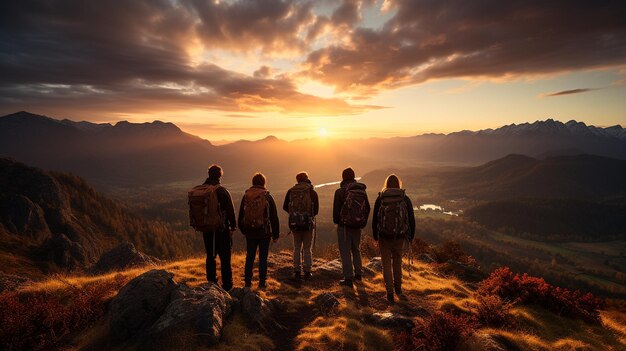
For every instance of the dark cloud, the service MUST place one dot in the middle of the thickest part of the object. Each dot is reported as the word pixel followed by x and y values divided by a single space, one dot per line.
pixel 87 55
pixel 569 92
pixel 433 39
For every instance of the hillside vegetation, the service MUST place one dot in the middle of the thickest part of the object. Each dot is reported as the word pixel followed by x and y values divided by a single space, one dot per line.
pixel 51 221
pixel 448 314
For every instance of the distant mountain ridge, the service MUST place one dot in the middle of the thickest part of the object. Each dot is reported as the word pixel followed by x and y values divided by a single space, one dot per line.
pixel 551 127
pixel 130 154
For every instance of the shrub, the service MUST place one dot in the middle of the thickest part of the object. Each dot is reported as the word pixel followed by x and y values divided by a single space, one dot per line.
pixel 528 289
pixel 452 250
pixel 43 320
pixel 492 310
pixel 445 331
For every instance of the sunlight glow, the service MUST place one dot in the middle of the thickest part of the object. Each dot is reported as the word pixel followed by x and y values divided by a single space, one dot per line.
pixel 323 132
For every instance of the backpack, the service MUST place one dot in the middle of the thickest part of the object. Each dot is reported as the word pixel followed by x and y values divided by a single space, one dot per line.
pixel 393 217
pixel 255 209
pixel 300 207
pixel 205 213
pixel 356 207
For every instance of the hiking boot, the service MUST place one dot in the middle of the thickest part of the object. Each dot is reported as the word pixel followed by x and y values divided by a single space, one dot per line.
pixel 358 277
pixel 346 282
pixel 308 276
pixel 390 298
pixel 297 276
pixel 262 284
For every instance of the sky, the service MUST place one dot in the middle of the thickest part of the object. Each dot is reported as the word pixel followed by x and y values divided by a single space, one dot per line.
pixel 229 70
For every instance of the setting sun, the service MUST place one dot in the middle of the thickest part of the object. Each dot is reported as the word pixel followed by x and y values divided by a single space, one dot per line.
pixel 323 132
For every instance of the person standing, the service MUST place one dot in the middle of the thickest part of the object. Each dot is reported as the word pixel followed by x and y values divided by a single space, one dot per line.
pixel 258 222
pixel 302 204
pixel 393 224
pixel 211 211
pixel 351 210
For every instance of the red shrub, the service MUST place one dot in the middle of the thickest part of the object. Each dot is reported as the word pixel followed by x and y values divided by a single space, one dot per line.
pixel 492 310
pixel 452 250
pixel 445 331
pixel 528 289
pixel 43 320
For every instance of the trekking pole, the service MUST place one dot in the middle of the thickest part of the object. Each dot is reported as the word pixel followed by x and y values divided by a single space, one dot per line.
pixel 410 253
pixel 314 233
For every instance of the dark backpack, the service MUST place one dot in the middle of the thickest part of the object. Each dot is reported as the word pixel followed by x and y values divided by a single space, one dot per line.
pixel 300 207
pixel 255 209
pixel 393 217
pixel 356 207
pixel 205 213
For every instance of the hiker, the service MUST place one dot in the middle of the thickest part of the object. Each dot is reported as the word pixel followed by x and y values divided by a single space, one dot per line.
pixel 258 221
pixel 211 211
pixel 302 204
pixel 393 224
pixel 351 209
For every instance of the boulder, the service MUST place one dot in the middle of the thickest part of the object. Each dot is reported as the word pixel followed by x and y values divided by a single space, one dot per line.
pixel 140 303
pixel 258 311
pixel 426 258
pixel 375 264
pixel 326 302
pixel 390 320
pixel 200 311
pixel 123 257
pixel 65 252
pixel 464 271
pixel 331 268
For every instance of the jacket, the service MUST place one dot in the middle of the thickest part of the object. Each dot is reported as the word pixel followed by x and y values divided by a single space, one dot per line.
pixel 314 200
pixel 411 217
pixel 225 202
pixel 340 198
pixel 274 229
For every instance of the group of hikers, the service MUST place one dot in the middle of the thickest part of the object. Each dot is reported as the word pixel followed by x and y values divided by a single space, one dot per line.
pixel 212 212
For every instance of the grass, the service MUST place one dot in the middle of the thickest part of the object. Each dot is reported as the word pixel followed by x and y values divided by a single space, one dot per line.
pixel 534 328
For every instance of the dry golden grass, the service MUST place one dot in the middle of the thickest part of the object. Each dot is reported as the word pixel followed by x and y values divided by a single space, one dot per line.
pixel 536 328
pixel 345 331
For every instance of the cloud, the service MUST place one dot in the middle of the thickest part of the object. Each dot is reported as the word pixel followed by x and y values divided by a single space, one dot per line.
pixel 429 39
pixel 139 56
pixel 568 92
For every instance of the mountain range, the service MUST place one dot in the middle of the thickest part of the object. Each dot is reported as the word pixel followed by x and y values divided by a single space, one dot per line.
pixel 129 154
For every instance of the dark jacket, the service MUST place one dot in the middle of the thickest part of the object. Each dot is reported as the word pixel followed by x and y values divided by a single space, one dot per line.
pixel 225 202
pixel 314 200
pixel 274 229
pixel 409 209
pixel 340 198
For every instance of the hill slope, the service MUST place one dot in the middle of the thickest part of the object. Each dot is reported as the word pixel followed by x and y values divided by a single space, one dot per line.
pixel 51 221
pixel 579 176
pixel 303 323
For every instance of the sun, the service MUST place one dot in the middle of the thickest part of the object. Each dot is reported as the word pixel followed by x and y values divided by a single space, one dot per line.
pixel 323 132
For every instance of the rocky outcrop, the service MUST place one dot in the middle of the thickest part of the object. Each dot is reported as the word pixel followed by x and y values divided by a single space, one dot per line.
pixel 200 311
pixel 426 258
pixel 65 252
pixel 154 310
pixel 258 311
pixel 464 271
pixel 21 216
pixel 140 303
pixel 123 257
pixel 390 320
pixel 375 264
pixel 326 302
